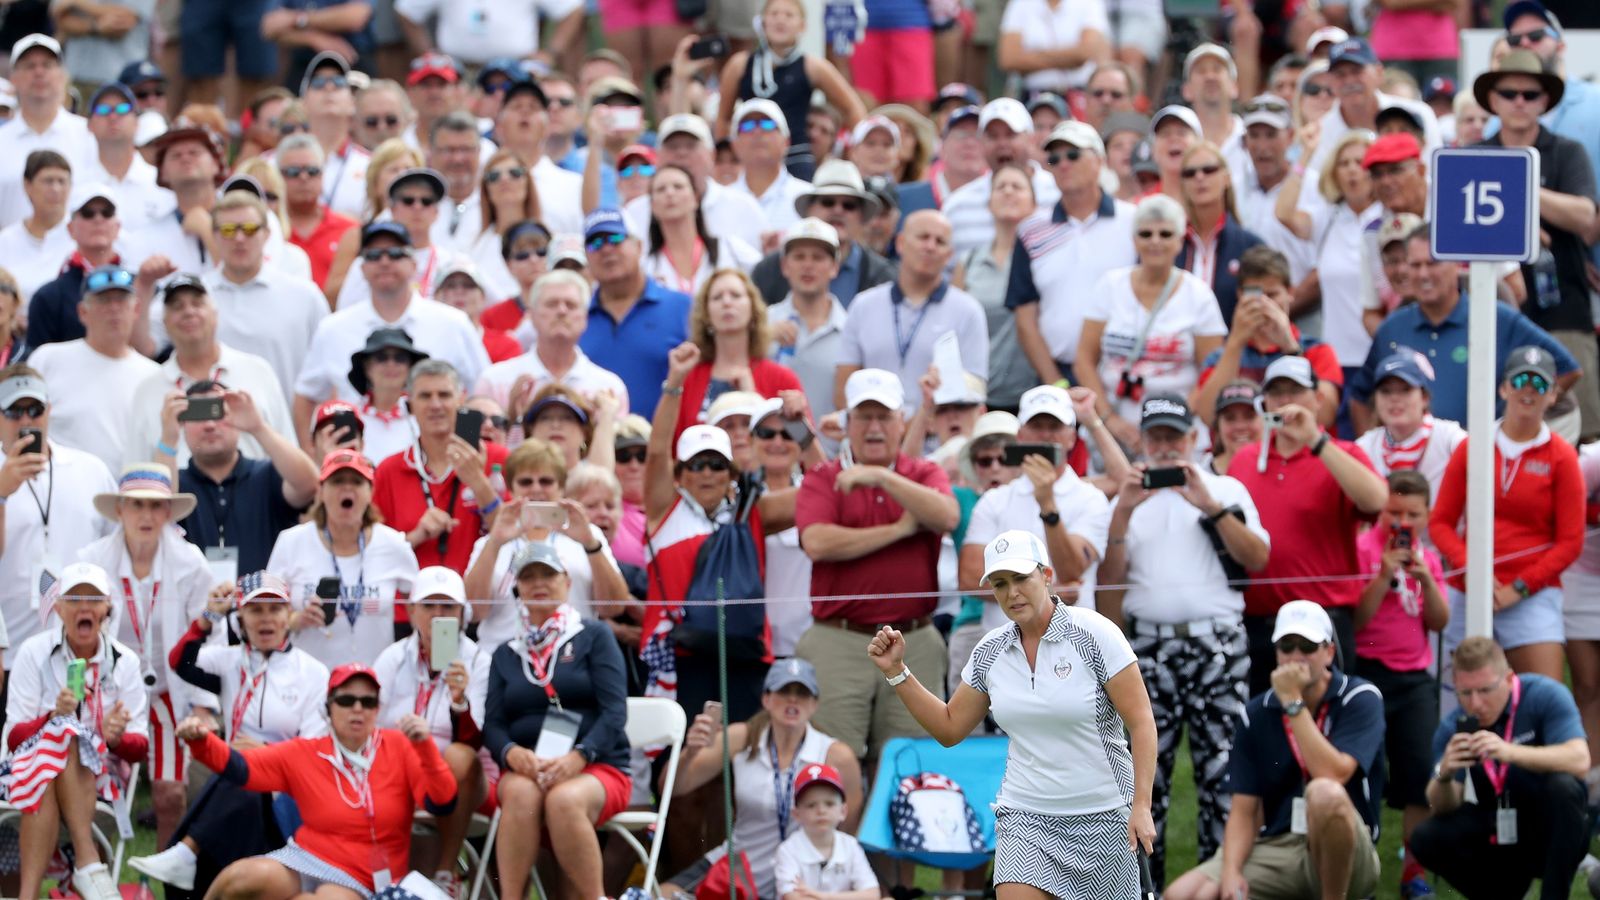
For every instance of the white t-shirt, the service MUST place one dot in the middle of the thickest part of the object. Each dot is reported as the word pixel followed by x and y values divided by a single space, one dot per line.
pixel 404 675
pixel 273 315
pixel 498 283
pixel 778 201
pixel 1083 511
pixel 286 702
pixel 1258 214
pixel 1167 363
pixel 385 433
pixel 788 589
pixel 92 398
pixel 1064 759
pixel 68 135
pixel 431 261
pixel 560 197
pixel 139 199
pixel 364 624
pixel 504 622
pixel 440 331
pixel 732 253
pixel 476 31
pixel 33 261
pixel 1342 272
pixel 971 223
pixel 458 224
pixel 800 862
pixel 1043 28
pixel 585 376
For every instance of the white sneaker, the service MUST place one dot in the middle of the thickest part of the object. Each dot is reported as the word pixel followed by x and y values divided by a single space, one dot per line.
pixel 94 883
pixel 174 865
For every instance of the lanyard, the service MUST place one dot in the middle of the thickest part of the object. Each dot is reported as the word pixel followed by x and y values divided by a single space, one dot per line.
pixel 1294 745
pixel 350 606
pixel 49 499
pixel 903 342
pixel 782 784
pixel 424 283
pixel 542 676
pixel 1508 473
pixel 5 358
pixel 427 497
pixel 332 184
pixel 1499 771
pixel 425 685
pixel 248 684
pixel 178 214
pixel 359 779
pixel 133 610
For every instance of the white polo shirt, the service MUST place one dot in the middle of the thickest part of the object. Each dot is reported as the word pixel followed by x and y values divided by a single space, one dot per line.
pixel 967 208
pixel 728 213
pixel 139 199
pixel 1063 257
pixel 406 679
pixel 476 31
pixel 273 314
pixel 440 331
pixel 799 862
pixel 1258 214
pixel 560 197
pixel 586 376
pixel 881 331
pixel 68 135
pixel 431 260
pixel 1175 572
pixel 364 624
pixel 458 224
pixel 63 493
pixel 1083 512
pixel 92 398
pixel 1042 26
pixel 1055 710
pixel 286 703
pixel 777 202
pixel 32 261
pixel 238 370
pixel 504 622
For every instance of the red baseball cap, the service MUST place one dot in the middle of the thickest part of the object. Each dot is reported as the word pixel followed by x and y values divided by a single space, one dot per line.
pixel 346 458
pixel 1395 147
pixel 639 150
pixel 430 64
pixel 344 673
pixel 331 408
pixel 819 773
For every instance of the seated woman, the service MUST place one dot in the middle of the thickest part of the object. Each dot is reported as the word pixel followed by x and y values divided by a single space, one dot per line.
pixel 415 671
pixel 357 789
pixel 77 719
pixel 565 672
pixel 273 692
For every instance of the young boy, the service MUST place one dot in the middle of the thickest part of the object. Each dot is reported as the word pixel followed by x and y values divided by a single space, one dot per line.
pixel 1262 332
pixel 819 862
pixel 1399 607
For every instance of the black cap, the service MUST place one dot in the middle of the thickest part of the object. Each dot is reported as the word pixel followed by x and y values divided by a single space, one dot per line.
pixel 381 339
pixel 526 85
pixel 430 177
pixel 139 72
pixel 179 282
pixel 387 228
pixel 1169 410
pixel 1237 393
pixel 1533 359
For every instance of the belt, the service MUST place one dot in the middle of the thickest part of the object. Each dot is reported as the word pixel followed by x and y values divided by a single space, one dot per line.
pixel 1196 628
pixel 903 626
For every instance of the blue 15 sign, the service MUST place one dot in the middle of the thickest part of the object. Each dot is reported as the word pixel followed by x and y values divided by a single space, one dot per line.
pixel 1483 204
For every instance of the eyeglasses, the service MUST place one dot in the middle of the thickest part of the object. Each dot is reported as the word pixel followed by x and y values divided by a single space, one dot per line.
pixel 293 172
pixel 389 121
pixel 1107 94
pixel 1071 154
pixel 1148 233
pixel 515 173
pixel 116 278
pixel 638 169
pixel 1538 382
pixel 1532 37
pixel 319 82
pixel 1294 643
pixel 594 244
pixel 391 355
pixel 562 102
pixel 21 411
pixel 394 254
pixel 848 204
pixel 271 198
pixel 289 128
pixel 96 212
pixel 1527 96
pixel 763 433
pixel 634 455
pixel 231 230
pixel 106 109
pixel 500 422
pixel 349 701
pixel 1197 171
pixel 415 200
pixel 714 463
pixel 151 93
pixel 544 481
pixel 984 462
pixel 751 125
pixel 1273 105
pixel 525 255
pixel 1312 89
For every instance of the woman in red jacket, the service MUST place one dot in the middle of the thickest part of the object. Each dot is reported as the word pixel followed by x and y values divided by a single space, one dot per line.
pixel 357 790
pixel 1538 521
pixel 728 324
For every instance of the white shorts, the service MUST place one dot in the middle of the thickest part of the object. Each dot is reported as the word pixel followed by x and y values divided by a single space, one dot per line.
pixel 169 757
pixel 1581 612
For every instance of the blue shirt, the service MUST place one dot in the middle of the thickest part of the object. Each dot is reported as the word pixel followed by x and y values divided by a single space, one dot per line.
pixel 1445 345
pixel 636 348
pixel 1262 765
pixel 1546 716
pixel 246 510
pixel 887 14
pixel 844 284
pixel 575 161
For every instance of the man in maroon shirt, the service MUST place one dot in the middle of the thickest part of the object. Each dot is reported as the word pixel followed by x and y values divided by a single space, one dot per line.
pixel 872 529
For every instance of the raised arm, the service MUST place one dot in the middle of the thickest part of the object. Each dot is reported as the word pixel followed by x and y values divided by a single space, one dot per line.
pixel 948 723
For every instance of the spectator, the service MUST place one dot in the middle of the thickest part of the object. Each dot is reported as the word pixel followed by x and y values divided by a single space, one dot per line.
pixel 1048 110
pixel 1284 77
pixel 1304 794
pixel 1212 251
pixel 561 95
pixel 265 112
pixel 1113 87
pixel 102 39
pixel 633 321
pixel 1173 131
pixel 93 226
pixel 1298 473
pixel 415 196
pixel 43 713
pixel 435 89
pixel 1086 234
pixel 342 536
pixel 872 529
pixel 98 374
pixel 330 107
pixel 808 326
pixel 41 122
pixel 380 372
pixel 13 339
pixel 684 140
pixel 635 167
pixel 1578 616
pixel 566 795
pixel 1235 422
pixel 822 844
pixel 1396 287
pixel 984 272
pixel 1408 435
pixel 525 251
pixel 509 198
pixel 729 324
pixel 332 428
pixel 1540 506
pixel 1149 327
pixel 577 427
pixel 761 139
pixel 960 159
pixel 1356 73
pixel 1313 98
pixel 785 447
pixel 1399 606
pixel 114 121
pixel 477 36
pixel 1193 653
pixel 1535 826
pixel 1470 119
pixel 1268 137
pixel 682 252
pixel 1211 87
pixel 1008 137
pixel 839 198
pixel 313 225
pixel 34 248
pixel 1055 46
pixel 383 113
pixel 1532 26
pixel 612 103
pixel 982 469
pixel 558 317
pixel 876 315
pixel 389 160
pixel 261 178
pixel 453 145
pixel 188 161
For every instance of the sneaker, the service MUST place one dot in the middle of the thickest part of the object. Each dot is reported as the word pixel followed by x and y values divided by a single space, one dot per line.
pixel 94 883
pixel 449 883
pixel 174 865
pixel 1416 887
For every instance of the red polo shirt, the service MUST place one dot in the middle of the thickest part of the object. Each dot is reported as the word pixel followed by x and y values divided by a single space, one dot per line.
pixel 323 242
pixel 398 493
pixel 1313 527
pixel 906 566
pixel 504 316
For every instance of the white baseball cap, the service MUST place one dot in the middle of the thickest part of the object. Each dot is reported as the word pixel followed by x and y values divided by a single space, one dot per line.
pixel 697 439
pixel 32 41
pixel 1177 111
pixel 81 574
pixel 1210 49
pixel 1009 111
pixel 686 123
pixel 733 403
pixel 812 228
pixel 83 193
pixel 873 123
pixel 1295 368
pixel 1328 34
pixel 1020 552
pixel 1078 134
pixel 1304 618
pixel 1046 400
pixel 760 106
pixel 874 386
pixel 438 582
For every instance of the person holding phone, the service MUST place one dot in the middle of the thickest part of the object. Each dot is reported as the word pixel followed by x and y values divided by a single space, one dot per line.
pixel 554 722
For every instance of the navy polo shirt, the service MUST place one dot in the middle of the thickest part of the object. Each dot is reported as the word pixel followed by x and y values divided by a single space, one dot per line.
pixel 1445 346
pixel 636 348
pixel 1546 716
pixel 845 283
pixel 1262 765
pixel 246 510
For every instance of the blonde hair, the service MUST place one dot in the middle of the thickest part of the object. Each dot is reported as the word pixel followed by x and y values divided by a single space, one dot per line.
pixel 1475 653
pixel 386 153
pixel 533 455
pixel 1229 205
pixel 586 475
pixel 1328 182
pixel 700 317
pixel 241 199
pixel 530 203
pixel 265 172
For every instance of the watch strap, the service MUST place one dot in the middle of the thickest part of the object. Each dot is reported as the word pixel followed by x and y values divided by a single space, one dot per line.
pixel 897 680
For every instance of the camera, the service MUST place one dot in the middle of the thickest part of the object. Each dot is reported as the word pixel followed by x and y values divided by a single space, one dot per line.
pixel 1131 387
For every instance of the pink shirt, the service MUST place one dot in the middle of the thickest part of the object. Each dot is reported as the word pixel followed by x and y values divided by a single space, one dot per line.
pixel 628 545
pixel 1415 34
pixel 1395 635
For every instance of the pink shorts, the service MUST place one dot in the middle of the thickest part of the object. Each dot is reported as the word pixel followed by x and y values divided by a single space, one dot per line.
pixel 895 65
pixel 623 15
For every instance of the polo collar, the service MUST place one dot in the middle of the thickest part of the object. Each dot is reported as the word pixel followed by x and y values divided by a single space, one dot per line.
pixel 1056 632
pixel 1106 210
pixel 897 296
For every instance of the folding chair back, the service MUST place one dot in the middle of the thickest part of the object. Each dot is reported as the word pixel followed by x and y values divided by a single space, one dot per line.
pixel 652 721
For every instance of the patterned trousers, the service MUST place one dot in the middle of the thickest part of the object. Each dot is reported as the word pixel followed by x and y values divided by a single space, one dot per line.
pixel 1198 682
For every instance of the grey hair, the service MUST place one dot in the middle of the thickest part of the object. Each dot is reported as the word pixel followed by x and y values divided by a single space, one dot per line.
pixel 432 366
pixel 1160 208
pixel 392 87
pixel 457 120
pixel 301 141
pixel 558 278
pixel 587 474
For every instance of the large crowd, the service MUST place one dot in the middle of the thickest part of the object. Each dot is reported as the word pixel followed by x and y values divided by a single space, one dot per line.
pixel 472 382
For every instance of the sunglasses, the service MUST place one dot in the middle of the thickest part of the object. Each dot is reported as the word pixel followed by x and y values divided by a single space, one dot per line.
pixel 1108 94
pixel 515 173
pixel 631 455
pixel 984 462
pixel 232 230
pixel 320 82
pixel 1276 106
pixel 301 171
pixel 525 255
pixel 1147 234
pixel 763 433
pixel 389 121
pixel 118 278
pixel 20 411
pixel 612 240
pixel 499 87
pixel 1294 643
pixel 500 422
pixel 752 125
pixel 1071 154
pixel 1525 379
pixel 150 93
pixel 289 128
pixel 848 204
pixel 1532 37
pixel 1197 171
pixel 391 253
pixel 349 701
pixel 414 200
pixel 106 109
pixel 544 481
pixel 1312 89
pixel 714 463
pixel 97 212
pixel 1528 96
pixel 271 198
pixel 392 356
pixel 638 169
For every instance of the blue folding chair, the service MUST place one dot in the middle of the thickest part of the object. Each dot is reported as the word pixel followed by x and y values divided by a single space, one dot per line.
pixel 977 764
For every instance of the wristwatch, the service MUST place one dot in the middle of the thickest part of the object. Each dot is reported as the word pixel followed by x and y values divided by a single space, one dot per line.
pixel 1293 708
pixel 896 680
pixel 302 21
pixel 1439 775
pixel 1050 519
pixel 1320 444
pixel 1522 588
pixel 671 391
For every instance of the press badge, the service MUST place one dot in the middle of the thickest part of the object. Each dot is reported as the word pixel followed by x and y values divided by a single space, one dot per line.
pixel 1297 817
pixel 1505 826
pixel 223 563
pixel 558 734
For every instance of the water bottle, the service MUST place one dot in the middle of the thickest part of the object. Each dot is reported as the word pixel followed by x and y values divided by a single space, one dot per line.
pixel 497 480
pixel 1546 289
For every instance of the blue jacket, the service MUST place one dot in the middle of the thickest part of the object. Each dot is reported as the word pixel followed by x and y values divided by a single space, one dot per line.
pixel 1234 240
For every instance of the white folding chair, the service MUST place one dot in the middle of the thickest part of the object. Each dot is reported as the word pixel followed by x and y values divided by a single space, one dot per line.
pixel 107 836
pixel 469 861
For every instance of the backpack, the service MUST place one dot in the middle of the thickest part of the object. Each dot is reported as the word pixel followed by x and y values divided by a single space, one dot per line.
pixel 727 566
pixel 930 814
pixel 721 883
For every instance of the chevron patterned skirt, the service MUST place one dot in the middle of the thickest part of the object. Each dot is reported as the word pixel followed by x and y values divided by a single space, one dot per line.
pixel 1070 857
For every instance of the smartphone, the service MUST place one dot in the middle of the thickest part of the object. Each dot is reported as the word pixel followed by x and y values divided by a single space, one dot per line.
pixel 1165 478
pixel 1272 420
pixel 1403 538
pixel 1014 453
pixel 541 514
pixel 799 432
pixel 469 426
pixel 345 422
pixel 714 710
pixel 328 590
pixel 32 440
pixel 446 643
pixel 626 118
pixel 711 46
pixel 75 676
pixel 202 409
pixel 1468 725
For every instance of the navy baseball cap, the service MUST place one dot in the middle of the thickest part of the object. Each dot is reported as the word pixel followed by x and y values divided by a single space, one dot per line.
pixel 1520 8
pixel 144 70
pixel 955 91
pixel 1438 86
pixel 380 229
pixel 119 88
pixel 525 84
pixel 962 114
pixel 1407 365
pixel 1352 50
pixel 502 65
pixel 604 221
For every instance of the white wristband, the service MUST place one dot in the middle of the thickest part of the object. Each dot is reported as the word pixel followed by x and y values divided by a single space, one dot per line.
pixel 896 680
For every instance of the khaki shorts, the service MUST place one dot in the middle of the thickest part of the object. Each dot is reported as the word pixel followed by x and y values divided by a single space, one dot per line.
pixel 856 705
pixel 1280 868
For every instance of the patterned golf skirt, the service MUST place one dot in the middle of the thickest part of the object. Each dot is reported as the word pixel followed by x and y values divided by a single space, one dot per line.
pixel 1070 857
pixel 314 871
